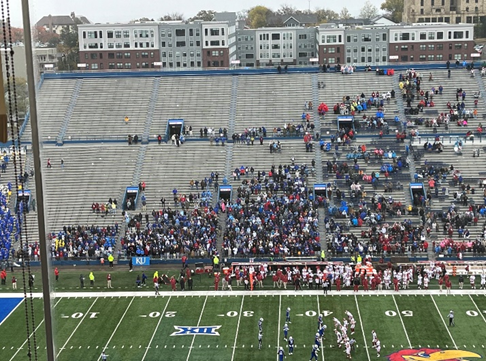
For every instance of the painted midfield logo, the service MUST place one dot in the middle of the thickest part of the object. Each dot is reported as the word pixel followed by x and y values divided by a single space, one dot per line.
pixel 196 330
pixel 428 354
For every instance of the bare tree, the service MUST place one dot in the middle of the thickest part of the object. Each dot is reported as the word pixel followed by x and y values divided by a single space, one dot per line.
pixel 172 16
pixel 286 9
pixel 345 14
pixel 368 11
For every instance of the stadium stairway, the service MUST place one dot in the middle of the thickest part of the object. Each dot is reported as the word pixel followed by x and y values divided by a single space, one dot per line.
pixel 142 150
pixel 482 100
pixel 69 111
pixel 150 111
pixel 400 104
pixel 234 100
pixel 53 100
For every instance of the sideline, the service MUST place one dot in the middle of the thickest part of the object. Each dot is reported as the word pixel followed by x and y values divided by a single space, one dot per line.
pixel 263 293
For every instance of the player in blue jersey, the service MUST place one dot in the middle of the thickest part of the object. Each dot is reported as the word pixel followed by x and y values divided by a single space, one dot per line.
pixel 260 324
pixel 287 315
pixel 322 330
pixel 319 321
pixel 260 340
pixel 317 341
pixel 281 354
pixel 286 331
pixel 314 353
pixel 291 345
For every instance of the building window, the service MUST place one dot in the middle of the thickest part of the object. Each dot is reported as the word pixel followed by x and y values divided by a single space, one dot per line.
pixel 126 33
pixel 302 36
pixel 366 37
pixel 119 65
pixel 111 45
pixel 180 32
pixel 180 44
pixel 118 45
pixel 214 42
pixel 111 55
pixel 430 57
pixel 126 44
pixel 94 56
pixel 423 36
pixel 145 55
pixel 422 47
pixel 118 34
pixel 128 65
pixel 119 55
pixel 331 39
pixel 431 47
pixel 422 57
pixel 109 34
pixel 213 32
pixel 111 65
pixel 440 46
pixel 127 55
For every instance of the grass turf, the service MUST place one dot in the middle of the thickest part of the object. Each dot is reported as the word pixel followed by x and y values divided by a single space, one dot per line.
pixel 140 327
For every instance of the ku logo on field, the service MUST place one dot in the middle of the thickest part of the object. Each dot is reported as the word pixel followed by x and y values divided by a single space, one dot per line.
pixel 196 330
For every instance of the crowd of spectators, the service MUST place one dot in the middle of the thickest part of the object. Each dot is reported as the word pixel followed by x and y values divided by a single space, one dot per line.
pixel 9 223
pixel 273 214
pixel 83 241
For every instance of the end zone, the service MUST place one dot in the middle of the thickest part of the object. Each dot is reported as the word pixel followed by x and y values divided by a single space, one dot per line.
pixel 9 305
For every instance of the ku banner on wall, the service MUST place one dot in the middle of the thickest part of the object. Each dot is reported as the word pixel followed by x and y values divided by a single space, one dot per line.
pixel 141 261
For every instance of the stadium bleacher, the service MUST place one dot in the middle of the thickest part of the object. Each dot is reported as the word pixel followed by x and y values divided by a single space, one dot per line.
pixel 99 164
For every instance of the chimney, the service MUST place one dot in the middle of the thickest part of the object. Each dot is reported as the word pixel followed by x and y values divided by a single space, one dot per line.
pixel 49 23
pixel 73 15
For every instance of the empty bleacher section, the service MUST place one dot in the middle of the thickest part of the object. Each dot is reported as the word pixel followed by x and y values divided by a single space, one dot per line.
pixel 271 101
pixel 103 104
pixel 368 207
pixel 200 100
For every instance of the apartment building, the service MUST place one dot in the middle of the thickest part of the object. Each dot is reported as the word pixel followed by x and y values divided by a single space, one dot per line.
pixel 431 42
pixel 224 43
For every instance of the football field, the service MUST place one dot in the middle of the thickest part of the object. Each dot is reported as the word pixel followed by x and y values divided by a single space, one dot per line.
pixel 224 325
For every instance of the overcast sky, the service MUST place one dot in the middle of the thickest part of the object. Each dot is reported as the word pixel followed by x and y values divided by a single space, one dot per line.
pixel 112 11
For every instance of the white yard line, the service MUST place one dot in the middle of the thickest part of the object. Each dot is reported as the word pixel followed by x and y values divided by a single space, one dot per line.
pixel 116 328
pixel 237 329
pixel 318 313
pixel 79 324
pixel 279 317
pixel 6 317
pixel 27 339
pixel 198 323
pixel 362 328
pixel 156 328
pixel 443 321
pixel 401 320
pixel 477 308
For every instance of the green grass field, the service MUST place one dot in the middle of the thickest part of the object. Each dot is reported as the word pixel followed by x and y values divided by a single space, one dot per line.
pixel 139 326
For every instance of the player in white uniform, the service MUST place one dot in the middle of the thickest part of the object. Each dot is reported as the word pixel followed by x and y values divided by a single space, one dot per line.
pixel 347 346
pixel 352 324
pixel 483 281
pixel 419 281
pixel 377 347
pixel 374 337
pixel 472 279
pixel 426 282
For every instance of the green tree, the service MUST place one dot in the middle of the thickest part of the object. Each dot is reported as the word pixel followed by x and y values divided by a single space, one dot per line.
pixel 368 11
pixel 68 47
pixel 22 96
pixel 324 15
pixel 394 9
pixel 204 15
pixel 257 16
